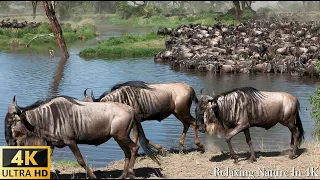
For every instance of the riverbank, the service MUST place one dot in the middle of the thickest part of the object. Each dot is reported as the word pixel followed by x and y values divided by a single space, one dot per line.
pixel 127 46
pixel 42 34
pixel 212 164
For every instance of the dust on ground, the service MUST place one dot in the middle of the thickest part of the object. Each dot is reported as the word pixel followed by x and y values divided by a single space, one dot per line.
pixel 213 164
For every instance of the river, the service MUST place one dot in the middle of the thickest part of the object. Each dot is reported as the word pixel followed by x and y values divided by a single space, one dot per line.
pixel 31 75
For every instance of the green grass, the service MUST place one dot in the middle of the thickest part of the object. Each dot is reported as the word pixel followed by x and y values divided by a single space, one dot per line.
pixel 13 36
pixel 162 21
pixel 127 46
pixel 314 99
pixel 65 164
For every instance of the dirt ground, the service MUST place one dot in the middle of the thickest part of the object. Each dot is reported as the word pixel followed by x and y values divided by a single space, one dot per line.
pixel 213 164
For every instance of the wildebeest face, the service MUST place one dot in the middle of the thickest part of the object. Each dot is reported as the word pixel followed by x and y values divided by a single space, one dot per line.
pixel 199 111
pixel 211 123
pixel 13 110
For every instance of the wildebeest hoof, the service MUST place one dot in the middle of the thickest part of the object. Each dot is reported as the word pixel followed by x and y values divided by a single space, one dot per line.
pixel 123 176
pixel 200 145
pixel 181 151
pixel 252 159
pixel 236 161
pixel 163 152
pixel 292 156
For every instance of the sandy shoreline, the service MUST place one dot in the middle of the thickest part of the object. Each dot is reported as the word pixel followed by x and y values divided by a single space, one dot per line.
pixel 213 164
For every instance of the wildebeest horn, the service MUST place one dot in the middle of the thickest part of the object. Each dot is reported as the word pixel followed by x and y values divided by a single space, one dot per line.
pixel 213 93
pixel 14 100
pixel 92 94
pixel 85 92
pixel 201 91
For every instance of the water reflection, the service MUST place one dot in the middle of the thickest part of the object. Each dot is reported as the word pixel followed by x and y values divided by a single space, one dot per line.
pixel 58 76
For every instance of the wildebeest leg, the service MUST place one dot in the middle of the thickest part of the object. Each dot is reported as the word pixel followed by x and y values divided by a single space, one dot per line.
pixel 188 119
pixel 159 148
pixel 76 152
pixel 135 140
pixel 130 150
pixel 183 136
pixel 134 150
pixel 135 135
pixel 248 139
pixel 295 134
pixel 229 135
pixel 195 132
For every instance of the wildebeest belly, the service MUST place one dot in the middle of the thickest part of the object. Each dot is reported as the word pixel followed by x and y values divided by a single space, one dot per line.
pixel 94 140
pixel 157 116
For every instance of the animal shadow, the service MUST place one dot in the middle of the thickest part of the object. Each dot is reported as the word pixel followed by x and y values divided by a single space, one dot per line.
pixel 185 151
pixel 245 156
pixel 139 173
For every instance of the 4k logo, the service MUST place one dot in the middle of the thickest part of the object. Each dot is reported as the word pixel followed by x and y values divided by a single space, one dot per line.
pixel 32 162
pixel 18 158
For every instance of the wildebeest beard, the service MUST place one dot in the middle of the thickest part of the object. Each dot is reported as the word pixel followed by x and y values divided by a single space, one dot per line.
pixel 8 132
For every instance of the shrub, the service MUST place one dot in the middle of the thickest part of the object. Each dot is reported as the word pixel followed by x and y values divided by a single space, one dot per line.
pixel 315 107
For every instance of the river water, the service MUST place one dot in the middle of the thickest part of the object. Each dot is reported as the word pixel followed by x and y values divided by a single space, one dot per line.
pixel 31 75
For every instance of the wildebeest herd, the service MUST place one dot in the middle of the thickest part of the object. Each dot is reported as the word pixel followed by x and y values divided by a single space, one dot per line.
pixel 65 121
pixel 276 45
pixel 15 24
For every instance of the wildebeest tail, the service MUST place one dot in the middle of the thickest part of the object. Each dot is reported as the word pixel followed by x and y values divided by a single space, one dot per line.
pixel 147 148
pixel 299 124
pixel 194 96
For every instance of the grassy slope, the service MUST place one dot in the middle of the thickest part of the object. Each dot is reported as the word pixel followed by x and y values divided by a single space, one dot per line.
pixel 13 36
pixel 127 46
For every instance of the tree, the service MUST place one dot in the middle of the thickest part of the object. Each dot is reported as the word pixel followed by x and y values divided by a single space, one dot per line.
pixel 34 8
pixel 237 8
pixel 49 7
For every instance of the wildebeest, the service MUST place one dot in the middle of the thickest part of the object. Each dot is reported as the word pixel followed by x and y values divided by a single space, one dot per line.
pixel 239 109
pixel 155 102
pixel 66 121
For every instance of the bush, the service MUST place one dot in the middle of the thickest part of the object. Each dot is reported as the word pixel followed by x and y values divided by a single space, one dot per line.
pixel 125 11
pixel 264 11
pixel 315 111
pixel 315 107
pixel 248 13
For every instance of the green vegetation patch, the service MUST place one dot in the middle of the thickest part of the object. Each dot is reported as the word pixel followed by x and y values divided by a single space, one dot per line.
pixel 160 21
pixel 127 46
pixel 315 107
pixel 14 36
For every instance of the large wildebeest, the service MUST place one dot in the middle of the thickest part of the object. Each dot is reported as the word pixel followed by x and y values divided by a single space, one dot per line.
pixel 155 102
pixel 239 109
pixel 65 121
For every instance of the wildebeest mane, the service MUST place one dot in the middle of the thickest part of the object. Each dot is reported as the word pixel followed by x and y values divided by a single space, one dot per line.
pixel 243 92
pixel 134 84
pixel 232 103
pixel 41 102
